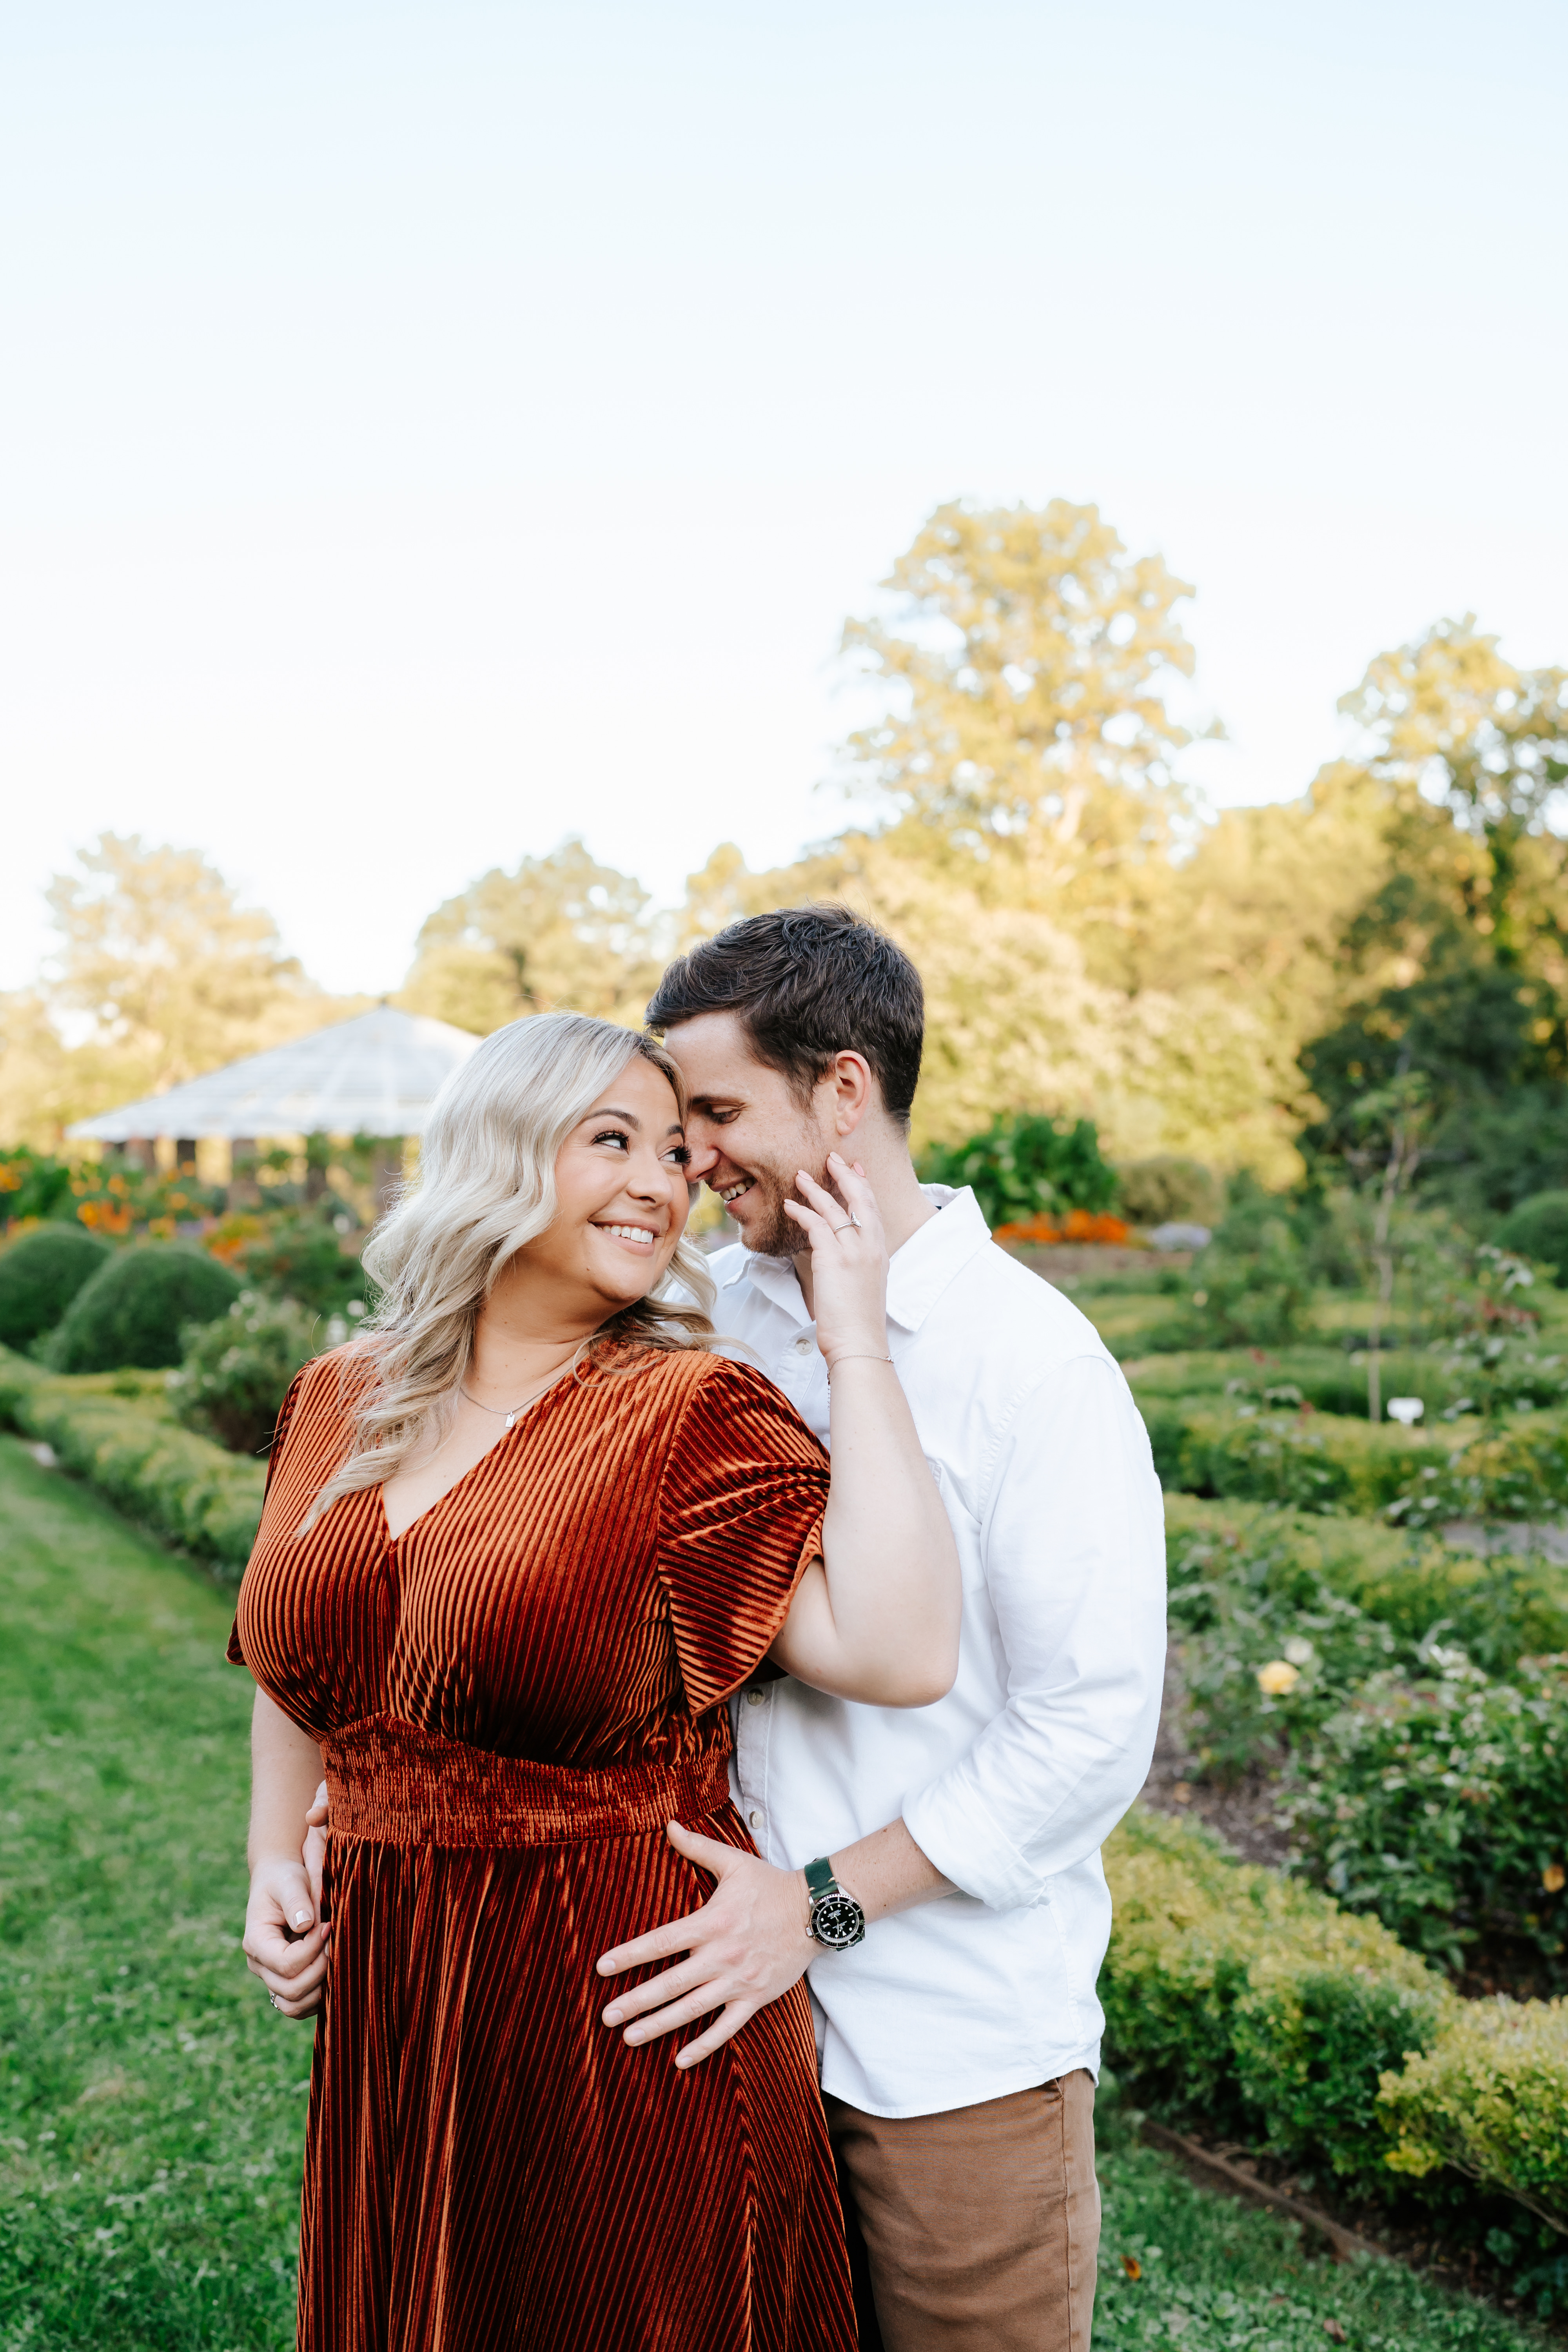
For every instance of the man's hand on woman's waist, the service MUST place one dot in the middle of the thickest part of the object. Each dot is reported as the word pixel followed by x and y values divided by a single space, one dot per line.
pixel 751 1941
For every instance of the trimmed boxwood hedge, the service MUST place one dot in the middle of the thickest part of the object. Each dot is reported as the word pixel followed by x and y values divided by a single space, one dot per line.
pixel 181 1486
pixel 133 1310
pixel 1332 1461
pixel 40 1273
pixel 1240 1996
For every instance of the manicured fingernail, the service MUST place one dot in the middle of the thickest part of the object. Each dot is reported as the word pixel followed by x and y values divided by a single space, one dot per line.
pixel 301 1919
pixel 614 2016
pixel 634 2034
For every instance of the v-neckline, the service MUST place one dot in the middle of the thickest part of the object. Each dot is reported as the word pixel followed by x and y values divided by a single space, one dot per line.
pixel 526 1415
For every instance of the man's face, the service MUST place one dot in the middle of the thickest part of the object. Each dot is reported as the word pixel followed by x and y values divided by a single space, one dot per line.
pixel 748 1133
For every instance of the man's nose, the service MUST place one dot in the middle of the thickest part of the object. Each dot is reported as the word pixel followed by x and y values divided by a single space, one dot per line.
pixel 704 1157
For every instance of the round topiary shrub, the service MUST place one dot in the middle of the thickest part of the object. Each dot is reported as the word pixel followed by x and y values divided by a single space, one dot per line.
pixel 1168 1189
pixel 134 1309
pixel 236 1371
pixel 1537 1228
pixel 40 1273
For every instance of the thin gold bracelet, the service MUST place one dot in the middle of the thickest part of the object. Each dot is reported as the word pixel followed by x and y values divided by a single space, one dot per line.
pixel 854 1358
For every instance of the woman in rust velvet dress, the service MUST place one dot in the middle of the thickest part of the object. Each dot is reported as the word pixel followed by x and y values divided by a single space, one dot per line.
pixel 511 1699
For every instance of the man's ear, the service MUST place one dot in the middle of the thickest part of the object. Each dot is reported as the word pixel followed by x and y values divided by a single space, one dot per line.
pixel 854 1091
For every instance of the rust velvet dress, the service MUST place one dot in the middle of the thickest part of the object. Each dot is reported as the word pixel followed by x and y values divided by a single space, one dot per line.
pixel 511 1700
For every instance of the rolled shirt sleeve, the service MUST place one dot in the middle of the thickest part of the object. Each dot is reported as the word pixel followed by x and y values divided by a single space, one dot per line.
pixel 1072 1541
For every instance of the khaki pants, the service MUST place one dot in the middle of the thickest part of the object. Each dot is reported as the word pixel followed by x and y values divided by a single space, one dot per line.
pixel 974 2230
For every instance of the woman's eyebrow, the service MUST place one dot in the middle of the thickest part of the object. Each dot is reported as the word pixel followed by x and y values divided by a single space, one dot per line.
pixel 609 1111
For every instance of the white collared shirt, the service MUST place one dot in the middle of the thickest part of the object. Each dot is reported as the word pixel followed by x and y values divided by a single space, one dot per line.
pixel 1010 1783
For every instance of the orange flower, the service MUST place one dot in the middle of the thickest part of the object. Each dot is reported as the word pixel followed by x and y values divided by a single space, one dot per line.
pixel 1079 1225
pixel 106 1217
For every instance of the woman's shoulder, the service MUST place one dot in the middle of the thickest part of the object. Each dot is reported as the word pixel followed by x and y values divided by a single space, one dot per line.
pixel 694 1371
pixel 331 1386
pixel 722 1395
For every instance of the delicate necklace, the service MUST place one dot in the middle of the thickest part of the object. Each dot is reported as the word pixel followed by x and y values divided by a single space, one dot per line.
pixel 510 1414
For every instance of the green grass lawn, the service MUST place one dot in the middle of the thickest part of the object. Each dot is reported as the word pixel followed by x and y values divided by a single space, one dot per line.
pixel 1215 2275
pixel 151 2106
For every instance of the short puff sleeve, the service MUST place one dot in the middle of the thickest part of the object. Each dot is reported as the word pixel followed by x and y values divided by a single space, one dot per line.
pixel 740 1509
pixel 234 1654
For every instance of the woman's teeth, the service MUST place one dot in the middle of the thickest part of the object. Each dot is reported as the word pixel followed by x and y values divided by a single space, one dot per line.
pixel 639 1234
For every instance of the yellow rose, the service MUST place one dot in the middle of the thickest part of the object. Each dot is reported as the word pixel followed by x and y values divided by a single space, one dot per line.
pixel 1278 1676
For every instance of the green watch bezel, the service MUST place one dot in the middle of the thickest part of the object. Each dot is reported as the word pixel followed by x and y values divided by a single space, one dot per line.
pixel 837 1922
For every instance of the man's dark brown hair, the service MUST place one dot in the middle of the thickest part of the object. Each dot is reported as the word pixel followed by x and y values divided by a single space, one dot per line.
pixel 807 982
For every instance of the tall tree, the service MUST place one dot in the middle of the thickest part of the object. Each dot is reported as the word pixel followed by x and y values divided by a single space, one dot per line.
pixel 1027 742
pixel 159 975
pixel 559 932
pixel 1456 966
pixel 170 973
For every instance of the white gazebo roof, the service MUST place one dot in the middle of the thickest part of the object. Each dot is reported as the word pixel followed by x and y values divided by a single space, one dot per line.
pixel 375 1074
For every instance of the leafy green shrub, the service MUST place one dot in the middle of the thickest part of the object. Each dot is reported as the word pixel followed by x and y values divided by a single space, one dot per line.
pixel 1490 2098
pixel 1167 1190
pixel 182 1486
pixel 33 1184
pixel 236 1371
pixel 1254 2000
pixel 1538 1229
pixel 135 1308
pixel 1250 1289
pixel 1256 2003
pixel 1268 1650
pixel 299 1258
pixel 1310 1461
pixel 1248 1580
pixel 1514 1474
pixel 1335 1462
pixel 1437 1803
pixel 1023 1167
pixel 40 1273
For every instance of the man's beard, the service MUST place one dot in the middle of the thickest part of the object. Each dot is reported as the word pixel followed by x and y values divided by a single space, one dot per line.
pixel 768 1232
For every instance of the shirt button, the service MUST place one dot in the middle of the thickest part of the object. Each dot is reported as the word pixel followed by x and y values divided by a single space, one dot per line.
pixel 755 1819
pixel 804 1345
pixel 754 1697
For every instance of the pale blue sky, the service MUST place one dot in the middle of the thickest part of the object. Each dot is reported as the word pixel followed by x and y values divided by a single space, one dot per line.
pixel 432 429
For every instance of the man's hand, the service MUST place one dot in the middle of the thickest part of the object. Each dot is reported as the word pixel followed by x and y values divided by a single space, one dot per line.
pixel 747 1945
pixel 314 1856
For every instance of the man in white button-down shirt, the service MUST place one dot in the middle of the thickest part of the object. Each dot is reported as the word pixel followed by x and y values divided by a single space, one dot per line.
pixel 959 2039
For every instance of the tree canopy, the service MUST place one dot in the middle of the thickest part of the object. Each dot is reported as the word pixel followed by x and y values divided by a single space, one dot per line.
pixel 159 975
pixel 559 931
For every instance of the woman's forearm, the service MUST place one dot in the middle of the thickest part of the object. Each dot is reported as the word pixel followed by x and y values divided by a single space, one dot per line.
pixel 877 1619
pixel 286 1766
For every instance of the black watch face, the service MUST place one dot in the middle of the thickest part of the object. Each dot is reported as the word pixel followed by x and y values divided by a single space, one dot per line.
pixel 837 1921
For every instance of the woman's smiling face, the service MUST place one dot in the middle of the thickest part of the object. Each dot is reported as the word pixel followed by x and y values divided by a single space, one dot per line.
pixel 621 1194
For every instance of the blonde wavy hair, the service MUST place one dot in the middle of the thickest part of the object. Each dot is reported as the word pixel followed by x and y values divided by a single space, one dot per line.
pixel 486 1189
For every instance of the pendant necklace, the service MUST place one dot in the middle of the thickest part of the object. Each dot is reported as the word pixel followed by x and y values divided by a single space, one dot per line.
pixel 510 1414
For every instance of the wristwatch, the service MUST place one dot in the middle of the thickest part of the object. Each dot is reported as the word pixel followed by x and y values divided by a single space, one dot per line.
pixel 836 1919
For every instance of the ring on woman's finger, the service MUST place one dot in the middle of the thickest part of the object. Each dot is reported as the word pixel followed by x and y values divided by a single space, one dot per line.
pixel 274 1999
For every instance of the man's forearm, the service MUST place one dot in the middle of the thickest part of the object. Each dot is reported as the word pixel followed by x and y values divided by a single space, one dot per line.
pixel 887 1872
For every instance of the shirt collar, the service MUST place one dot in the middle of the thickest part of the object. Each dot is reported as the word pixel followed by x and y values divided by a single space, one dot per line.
pixel 917 1274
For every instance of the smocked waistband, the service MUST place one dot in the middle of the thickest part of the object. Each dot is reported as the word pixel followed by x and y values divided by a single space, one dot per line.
pixel 390 1783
